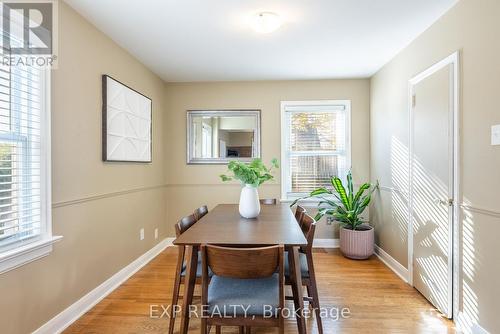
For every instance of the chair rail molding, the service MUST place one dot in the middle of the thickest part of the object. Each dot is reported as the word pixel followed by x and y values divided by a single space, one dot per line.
pixel 393 189
pixel 105 195
pixel 488 212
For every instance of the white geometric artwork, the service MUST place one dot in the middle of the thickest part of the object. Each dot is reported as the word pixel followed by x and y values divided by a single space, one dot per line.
pixel 126 123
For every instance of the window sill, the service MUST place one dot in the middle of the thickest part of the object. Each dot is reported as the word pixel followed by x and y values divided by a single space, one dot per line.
pixel 20 256
pixel 305 203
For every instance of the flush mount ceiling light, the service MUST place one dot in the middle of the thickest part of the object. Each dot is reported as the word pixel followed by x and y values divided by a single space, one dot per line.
pixel 265 22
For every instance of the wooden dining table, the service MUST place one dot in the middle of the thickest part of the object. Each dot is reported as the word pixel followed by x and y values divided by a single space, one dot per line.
pixel 275 225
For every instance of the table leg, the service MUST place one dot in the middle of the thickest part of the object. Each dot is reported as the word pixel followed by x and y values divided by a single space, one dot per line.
pixel 296 280
pixel 189 283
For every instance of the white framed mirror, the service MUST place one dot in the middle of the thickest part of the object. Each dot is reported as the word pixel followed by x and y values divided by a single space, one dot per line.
pixel 219 136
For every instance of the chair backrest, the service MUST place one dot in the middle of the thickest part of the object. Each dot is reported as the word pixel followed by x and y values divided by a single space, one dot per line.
pixel 184 224
pixel 268 201
pixel 243 262
pixel 299 213
pixel 200 212
pixel 308 227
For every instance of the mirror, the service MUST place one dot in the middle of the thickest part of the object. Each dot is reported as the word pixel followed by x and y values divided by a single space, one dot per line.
pixel 216 137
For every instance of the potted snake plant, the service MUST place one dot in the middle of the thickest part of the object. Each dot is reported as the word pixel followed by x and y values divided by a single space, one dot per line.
pixel 346 206
pixel 251 175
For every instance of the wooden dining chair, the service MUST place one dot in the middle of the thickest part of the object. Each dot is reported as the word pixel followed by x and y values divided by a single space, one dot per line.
pixel 299 213
pixel 251 277
pixel 308 226
pixel 200 212
pixel 180 271
pixel 268 201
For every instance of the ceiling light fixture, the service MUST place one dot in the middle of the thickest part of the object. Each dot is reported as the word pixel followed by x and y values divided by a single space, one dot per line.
pixel 265 22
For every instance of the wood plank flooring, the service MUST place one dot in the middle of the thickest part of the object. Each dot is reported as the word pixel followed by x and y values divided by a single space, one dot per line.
pixel 378 301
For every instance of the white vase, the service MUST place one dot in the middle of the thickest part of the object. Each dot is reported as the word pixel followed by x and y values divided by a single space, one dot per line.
pixel 249 202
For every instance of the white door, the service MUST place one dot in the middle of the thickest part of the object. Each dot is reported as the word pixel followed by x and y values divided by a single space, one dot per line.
pixel 206 141
pixel 432 186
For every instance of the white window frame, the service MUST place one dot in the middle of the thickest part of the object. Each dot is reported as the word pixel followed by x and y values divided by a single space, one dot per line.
pixel 288 106
pixel 37 247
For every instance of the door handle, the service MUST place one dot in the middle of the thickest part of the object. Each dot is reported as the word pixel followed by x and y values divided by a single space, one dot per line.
pixel 448 202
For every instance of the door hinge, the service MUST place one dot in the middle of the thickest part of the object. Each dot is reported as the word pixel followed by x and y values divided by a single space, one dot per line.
pixel 414 101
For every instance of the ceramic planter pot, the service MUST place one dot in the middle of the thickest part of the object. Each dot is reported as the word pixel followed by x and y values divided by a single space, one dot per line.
pixel 357 244
pixel 249 202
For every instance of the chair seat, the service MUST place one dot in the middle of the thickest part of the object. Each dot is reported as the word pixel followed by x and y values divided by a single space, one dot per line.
pixel 258 297
pixel 303 265
pixel 198 268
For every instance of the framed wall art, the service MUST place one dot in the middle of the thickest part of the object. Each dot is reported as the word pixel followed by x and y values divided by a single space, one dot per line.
pixel 126 123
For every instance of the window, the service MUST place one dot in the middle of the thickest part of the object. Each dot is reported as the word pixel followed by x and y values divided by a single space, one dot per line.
pixel 25 220
pixel 315 145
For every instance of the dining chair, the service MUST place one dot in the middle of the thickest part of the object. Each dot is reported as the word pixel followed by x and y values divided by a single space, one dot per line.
pixel 180 271
pixel 250 277
pixel 200 212
pixel 299 213
pixel 268 201
pixel 308 226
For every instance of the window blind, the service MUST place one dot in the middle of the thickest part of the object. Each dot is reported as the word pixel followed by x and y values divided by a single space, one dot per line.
pixel 316 146
pixel 21 106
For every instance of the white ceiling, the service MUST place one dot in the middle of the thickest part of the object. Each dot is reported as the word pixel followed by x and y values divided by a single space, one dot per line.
pixel 210 40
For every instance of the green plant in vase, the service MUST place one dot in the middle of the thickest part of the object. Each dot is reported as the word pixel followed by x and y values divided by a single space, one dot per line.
pixel 251 175
pixel 346 206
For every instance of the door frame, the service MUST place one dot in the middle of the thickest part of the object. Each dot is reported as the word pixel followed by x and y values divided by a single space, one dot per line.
pixel 453 260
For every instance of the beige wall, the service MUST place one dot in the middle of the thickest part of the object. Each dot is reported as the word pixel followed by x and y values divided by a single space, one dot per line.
pixel 99 208
pixel 473 28
pixel 194 185
pixel 101 236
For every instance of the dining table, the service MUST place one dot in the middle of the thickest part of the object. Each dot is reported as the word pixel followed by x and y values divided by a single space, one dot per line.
pixel 223 226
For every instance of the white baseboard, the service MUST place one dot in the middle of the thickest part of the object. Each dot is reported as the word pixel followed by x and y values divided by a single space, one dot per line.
pixel 77 309
pixel 463 324
pixel 466 325
pixel 476 329
pixel 394 265
pixel 388 260
pixel 326 243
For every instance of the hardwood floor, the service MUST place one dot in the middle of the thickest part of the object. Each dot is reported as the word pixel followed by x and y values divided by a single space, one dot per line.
pixel 378 301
